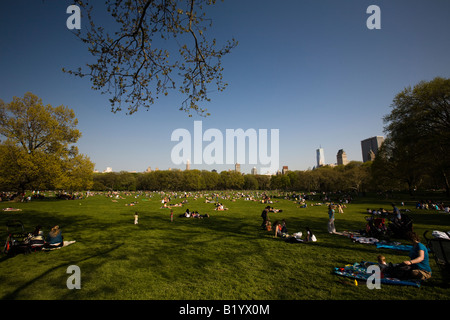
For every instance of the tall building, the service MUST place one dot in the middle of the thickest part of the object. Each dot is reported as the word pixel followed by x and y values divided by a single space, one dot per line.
pixel 254 170
pixel 285 170
pixel 341 157
pixel 237 167
pixel 370 147
pixel 188 165
pixel 320 157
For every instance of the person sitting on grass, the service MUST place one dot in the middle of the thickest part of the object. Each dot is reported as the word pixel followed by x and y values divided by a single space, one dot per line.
pixel 280 229
pixel 310 237
pixel 419 262
pixel 277 228
pixel 220 207
pixel 54 238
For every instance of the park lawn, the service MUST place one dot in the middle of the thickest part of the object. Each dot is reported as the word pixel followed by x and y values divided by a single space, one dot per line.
pixel 224 257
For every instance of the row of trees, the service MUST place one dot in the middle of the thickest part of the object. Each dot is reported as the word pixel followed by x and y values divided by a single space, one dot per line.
pixel 353 177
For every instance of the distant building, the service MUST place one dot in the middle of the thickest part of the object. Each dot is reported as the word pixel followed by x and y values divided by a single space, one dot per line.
pixel 108 169
pixel 237 167
pixel 188 165
pixel 320 157
pixel 371 156
pixel 341 157
pixel 254 170
pixel 284 170
pixel 149 169
pixel 370 147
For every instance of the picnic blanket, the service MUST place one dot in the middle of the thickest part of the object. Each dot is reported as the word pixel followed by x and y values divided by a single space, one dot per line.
pixel 382 243
pixel 400 247
pixel 66 243
pixel 366 240
pixel 395 246
pixel 358 271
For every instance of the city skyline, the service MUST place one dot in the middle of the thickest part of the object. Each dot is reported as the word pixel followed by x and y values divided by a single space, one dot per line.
pixel 314 71
pixel 341 159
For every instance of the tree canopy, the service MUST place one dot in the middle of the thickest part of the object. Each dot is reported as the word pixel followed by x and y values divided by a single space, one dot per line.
pixel 418 135
pixel 157 45
pixel 38 150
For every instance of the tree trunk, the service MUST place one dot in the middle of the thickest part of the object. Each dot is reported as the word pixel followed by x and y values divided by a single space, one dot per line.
pixel 447 186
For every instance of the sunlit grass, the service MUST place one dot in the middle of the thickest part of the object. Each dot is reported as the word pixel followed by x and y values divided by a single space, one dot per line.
pixel 226 256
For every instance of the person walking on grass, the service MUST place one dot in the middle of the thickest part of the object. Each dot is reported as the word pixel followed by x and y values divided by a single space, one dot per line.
pixel 331 211
pixel 136 217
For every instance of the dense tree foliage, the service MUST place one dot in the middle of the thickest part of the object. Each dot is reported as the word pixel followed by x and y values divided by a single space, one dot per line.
pixel 353 177
pixel 38 150
pixel 418 137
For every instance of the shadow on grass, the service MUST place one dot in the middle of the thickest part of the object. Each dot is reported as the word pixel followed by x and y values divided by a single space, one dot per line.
pixel 14 295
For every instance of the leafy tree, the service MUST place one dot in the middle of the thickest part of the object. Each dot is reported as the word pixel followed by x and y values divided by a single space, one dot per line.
pixel 356 176
pixel 418 129
pixel 126 181
pixel 263 181
pixel 193 180
pixel 156 44
pixel 147 181
pixel 250 182
pixel 231 180
pixel 211 179
pixel 397 166
pixel 38 151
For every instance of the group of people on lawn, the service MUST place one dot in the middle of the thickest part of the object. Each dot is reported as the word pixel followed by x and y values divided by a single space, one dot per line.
pixel 279 228
pixel 417 267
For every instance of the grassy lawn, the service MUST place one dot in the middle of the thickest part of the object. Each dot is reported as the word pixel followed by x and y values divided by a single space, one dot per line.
pixel 224 257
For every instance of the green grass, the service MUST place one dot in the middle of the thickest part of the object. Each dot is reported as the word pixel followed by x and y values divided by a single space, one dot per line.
pixel 224 257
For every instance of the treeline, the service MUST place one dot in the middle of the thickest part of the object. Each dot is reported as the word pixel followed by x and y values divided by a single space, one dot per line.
pixel 354 176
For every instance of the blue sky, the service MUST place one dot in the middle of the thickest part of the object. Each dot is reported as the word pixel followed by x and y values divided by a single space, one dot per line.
pixel 310 68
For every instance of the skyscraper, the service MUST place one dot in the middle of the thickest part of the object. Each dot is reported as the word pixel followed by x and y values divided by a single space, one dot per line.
pixel 320 157
pixel 188 165
pixel 237 167
pixel 341 157
pixel 370 147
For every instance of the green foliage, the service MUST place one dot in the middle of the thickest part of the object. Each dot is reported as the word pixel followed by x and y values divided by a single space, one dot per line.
pixel 353 177
pixel 38 151
pixel 418 129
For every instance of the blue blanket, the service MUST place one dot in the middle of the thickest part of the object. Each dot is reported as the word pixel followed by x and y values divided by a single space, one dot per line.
pixel 359 271
pixel 401 247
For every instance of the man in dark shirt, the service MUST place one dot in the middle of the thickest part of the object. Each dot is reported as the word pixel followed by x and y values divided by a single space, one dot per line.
pixel 265 217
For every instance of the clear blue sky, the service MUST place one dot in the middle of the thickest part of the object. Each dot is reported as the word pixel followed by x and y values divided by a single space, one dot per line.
pixel 311 69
